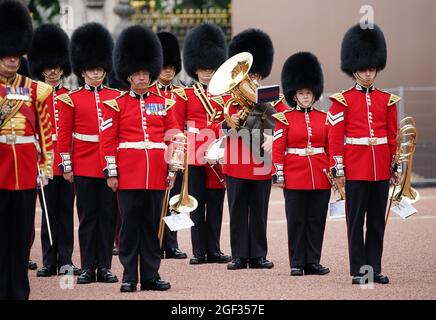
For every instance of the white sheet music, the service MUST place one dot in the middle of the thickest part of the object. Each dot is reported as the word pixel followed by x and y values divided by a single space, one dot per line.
pixel 178 222
pixel 337 209
pixel 404 209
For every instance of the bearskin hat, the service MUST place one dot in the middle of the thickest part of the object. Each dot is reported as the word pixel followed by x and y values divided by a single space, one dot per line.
pixel 137 48
pixel 15 29
pixel 302 71
pixel 171 50
pixel 363 48
pixel 205 48
pixel 259 44
pixel 49 49
pixel 24 69
pixel 91 47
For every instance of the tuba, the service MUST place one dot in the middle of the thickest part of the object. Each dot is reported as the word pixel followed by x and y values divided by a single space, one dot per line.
pixel 232 76
pixel 177 158
pixel 406 145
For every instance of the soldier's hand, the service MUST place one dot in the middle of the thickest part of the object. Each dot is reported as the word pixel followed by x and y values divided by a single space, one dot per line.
pixel 171 178
pixel 340 182
pixel 235 118
pixel 395 178
pixel 267 144
pixel 69 177
pixel 112 183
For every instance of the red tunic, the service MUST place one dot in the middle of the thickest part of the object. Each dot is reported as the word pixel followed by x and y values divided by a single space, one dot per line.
pixel 19 161
pixel 298 129
pixel 356 113
pixel 239 161
pixel 126 119
pixel 81 113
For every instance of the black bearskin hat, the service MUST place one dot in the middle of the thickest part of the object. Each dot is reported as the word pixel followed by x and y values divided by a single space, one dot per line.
pixel 91 47
pixel 171 50
pixel 259 44
pixel 363 48
pixel 302 71
pixel 205 48
pixel 15 29
pixel 49 50
pixel 24 69
pixel 137 48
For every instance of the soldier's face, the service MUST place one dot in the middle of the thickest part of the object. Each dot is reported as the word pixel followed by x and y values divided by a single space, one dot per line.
pixel 52 74
pixel 94 77
pixel 304 98
pixel 9 66
pixel 167 74
pixel 366 77
pixel 205 75
pixel 140 81
pixel 255 77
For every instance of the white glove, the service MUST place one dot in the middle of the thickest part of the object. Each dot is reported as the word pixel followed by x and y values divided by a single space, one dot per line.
pixel 41 180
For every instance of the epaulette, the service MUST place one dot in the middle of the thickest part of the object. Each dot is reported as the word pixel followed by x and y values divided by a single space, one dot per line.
pixel 180 91
pixel 393 99
pixel 280 116
pixel 339 97
pixel 219 100
pixel 65 98
pixel 75 90
pixel 169 103
pixel 43 90
pixel 113 103
pixel 274 103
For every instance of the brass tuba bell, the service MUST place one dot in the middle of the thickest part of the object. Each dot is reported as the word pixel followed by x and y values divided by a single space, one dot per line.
pixel 232 76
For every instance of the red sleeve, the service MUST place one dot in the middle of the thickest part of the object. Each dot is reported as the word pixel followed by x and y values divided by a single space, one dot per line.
pixel 65 136
pixel 392 130
pixel 109 141
pixel 279 144
pixel 179 111
pixel 336 133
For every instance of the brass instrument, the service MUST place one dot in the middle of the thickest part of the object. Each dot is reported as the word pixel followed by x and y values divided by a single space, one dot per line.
pixel 406 145
pixel 335 186
pixel 177 158
pixel 232 76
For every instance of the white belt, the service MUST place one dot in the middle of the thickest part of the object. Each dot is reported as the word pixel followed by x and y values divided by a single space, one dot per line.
pixel 366 141
pixel 54 137
pixel 305 151
pixel 142 145
pixel 86 137
pixel 193 130
pixel 13 139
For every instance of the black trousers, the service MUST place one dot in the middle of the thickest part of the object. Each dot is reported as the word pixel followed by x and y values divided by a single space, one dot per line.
pixel 207 218
pixel 97 209
pixel 306 213
pixel 248 205
pixel 59 196
pixel 17 215
pixel 370 198
pixel 140 215
pixel 170 237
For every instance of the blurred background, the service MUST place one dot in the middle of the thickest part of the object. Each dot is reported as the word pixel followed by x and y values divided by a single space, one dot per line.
pixel 295 25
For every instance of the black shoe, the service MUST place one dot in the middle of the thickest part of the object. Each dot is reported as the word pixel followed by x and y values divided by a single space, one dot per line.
pixel 46 271
pixel 33 265
pixel 379 278
pixel 128 287
pixel 106 276
pixel 260 263
pixel 237 264
pixel 175 253
pixel 115 251
pixel 155 284
pixel 197 259
pixel 68 269
pixel 316 268
pixel 87 276
pixel 297 271
pixel 218 257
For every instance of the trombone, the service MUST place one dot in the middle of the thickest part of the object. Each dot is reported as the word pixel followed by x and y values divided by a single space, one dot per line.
pixel 336 188
pixel 183 202
pixel 406 145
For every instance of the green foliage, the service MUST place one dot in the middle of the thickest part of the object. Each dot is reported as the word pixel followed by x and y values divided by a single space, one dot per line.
pixel 44 11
